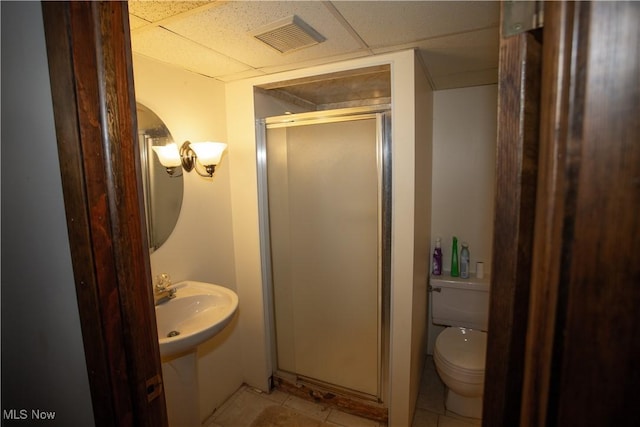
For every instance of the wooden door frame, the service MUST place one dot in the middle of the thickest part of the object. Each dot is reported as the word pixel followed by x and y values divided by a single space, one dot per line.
pixel 577 296
pixel 552 187
pixel 515 199
pixel 90 68
pixel 583 338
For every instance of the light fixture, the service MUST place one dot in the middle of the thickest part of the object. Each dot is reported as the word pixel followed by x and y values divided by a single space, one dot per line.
pixel 168 156
pixel 191 155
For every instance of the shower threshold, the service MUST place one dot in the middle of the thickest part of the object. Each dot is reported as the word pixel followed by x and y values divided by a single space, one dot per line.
pixel 345 400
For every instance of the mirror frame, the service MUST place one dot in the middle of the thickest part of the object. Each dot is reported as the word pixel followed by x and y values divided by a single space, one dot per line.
pixel 163 193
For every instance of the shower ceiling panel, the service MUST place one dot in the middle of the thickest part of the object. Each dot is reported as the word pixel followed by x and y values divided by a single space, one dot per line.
pixel 346 87
pixel 457 41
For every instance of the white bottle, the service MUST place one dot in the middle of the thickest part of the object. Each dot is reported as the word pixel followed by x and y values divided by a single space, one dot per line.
pixel 464 261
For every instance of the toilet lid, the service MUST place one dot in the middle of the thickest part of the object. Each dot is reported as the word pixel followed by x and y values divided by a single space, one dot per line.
pixel 463 348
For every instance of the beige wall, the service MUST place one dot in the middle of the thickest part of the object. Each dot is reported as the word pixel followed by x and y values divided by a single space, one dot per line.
pixel 201 246
pixel 464 140
pixel 256 351
pixel 423 165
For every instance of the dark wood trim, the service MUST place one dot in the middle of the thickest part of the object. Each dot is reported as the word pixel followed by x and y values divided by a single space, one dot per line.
pixel 599 382
pixel 94 107
pixel 583 341
pixel 556 86
pixel 516 175
pixel 360 407
pixel 56 20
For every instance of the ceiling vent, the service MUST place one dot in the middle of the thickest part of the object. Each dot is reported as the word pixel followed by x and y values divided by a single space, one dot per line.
pixel 288 34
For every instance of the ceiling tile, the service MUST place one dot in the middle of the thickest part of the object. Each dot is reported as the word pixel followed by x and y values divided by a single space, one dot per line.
pixel 241 75
pixel 457 40
pixel 489 37
pixel 167 47
pixel 135 22
pixel 226 29
pixel 154 11
pixel 477 50
pixel 394 22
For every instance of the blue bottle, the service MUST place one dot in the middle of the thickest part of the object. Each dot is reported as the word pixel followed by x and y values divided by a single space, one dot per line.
pixel 464 261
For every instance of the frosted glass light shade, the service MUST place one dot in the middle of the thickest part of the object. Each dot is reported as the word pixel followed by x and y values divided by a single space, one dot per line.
pixel 208 153
pixel 168 155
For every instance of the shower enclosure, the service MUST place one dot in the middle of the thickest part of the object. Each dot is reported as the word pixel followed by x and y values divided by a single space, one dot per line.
pixel 325 213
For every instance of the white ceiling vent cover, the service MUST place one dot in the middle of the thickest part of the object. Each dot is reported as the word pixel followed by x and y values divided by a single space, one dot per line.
pixel 288 34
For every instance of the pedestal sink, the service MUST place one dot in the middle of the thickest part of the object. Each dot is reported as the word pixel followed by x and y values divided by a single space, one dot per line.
pixel 197 312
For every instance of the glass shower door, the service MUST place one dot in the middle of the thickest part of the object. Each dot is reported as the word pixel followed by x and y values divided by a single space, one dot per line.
pixel 324 198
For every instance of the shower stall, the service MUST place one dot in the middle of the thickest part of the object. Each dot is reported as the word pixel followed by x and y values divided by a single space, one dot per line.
pixel 325 194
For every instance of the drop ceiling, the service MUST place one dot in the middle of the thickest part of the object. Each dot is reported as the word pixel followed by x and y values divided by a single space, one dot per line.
pixel 457 41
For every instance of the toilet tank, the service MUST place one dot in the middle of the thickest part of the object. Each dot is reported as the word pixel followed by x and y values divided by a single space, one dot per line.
pixel 460 302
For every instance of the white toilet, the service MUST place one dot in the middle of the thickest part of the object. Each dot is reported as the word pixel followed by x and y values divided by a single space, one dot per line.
pixel 459 354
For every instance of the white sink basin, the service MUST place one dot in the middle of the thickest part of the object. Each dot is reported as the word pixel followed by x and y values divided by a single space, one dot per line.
pixel 198 312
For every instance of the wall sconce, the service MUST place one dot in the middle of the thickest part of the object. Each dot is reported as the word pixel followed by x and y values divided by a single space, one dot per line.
pixel 169 157
pixel 191 154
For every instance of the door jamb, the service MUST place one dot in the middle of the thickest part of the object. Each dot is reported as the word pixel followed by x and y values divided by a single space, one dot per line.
pixel 90 68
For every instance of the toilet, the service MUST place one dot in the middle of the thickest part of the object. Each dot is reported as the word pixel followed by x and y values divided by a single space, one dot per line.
pixel 459 354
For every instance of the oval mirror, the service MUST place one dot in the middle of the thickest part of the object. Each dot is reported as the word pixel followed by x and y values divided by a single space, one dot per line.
pixel 162 192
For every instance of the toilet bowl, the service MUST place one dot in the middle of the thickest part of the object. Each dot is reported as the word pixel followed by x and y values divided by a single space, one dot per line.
pixel 459 351
pixel 459 357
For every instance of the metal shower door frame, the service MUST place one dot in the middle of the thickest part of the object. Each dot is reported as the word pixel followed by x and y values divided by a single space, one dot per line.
pixel 382 114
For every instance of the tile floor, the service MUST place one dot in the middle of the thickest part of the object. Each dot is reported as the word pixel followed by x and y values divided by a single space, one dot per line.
pixel 246 404
pixel 430 411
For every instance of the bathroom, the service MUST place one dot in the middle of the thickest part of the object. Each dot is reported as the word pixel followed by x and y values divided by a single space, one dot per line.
pixel 461 204
pixel 46 368
pixel 214 251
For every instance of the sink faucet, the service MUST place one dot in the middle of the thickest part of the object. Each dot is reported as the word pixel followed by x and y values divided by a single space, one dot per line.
pixel 163 291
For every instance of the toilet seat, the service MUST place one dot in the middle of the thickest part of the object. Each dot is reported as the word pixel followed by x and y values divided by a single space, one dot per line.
pixel 462 351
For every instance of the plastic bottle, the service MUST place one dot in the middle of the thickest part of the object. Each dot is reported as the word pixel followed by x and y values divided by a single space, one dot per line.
pixel 464 261
pixel 454 258
pixel 436 264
